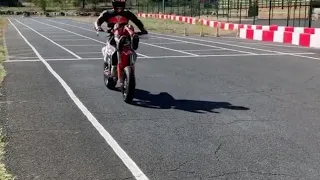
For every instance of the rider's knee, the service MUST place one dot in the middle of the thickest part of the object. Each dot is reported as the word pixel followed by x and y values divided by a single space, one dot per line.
pixel 114 59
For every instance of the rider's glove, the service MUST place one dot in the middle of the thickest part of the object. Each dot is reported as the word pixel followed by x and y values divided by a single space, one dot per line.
pixel 100 29
pixel 144 31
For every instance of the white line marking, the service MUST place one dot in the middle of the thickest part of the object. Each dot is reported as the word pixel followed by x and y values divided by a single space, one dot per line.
pixel 62 36
pixel 169 43
pixel 71 39
pixel 79 34
pixel 84 45
pixel 89 53
pixel 140 42
pixel 23 50
pixel 164 57
pixel 171 49
pixel 188 42
pixel 22 54
pixel 51 40
pixel 214 42
pixel 19 57
pixel 5 45
pixel 199 50
pixel 135 170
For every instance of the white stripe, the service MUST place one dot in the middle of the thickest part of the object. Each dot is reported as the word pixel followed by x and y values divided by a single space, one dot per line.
pixel 79 45
pixel 169 43
pixel 138 174
pixel 71 39
pixel 173 50
pixel 199 50
pixel 166 57
pixel 295 38
pixel 188 42
pixel 89 52
pixel 278 36
pixel 246 47
pixel 315 40
pixel 140 42
pixel 257 35
pixel 79 34
pixel 51 41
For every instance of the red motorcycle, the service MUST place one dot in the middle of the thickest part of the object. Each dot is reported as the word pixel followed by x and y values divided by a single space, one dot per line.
pixel 126 42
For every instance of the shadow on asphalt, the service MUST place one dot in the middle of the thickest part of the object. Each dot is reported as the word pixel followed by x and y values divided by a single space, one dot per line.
pixel 164 100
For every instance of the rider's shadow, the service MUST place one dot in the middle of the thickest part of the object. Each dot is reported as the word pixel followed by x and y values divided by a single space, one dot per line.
pixel 164 100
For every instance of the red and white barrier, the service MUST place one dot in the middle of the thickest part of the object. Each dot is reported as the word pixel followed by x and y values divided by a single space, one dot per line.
pixel 188 20
pixel 300 39
pixel 232 26
pixel 302 36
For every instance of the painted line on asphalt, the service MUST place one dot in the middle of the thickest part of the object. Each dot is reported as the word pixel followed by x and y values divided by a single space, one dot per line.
pixel 162 57
pixel 72 53
pixel 200 44
pixel 177 40
pixel 78 34
pixel 161 47
pixel 245 47
pixel 131 165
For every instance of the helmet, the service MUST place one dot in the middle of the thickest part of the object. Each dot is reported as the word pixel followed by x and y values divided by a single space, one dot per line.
pixel 118 5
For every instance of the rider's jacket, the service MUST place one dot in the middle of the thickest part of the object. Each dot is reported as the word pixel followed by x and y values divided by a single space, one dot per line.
pixel 111 17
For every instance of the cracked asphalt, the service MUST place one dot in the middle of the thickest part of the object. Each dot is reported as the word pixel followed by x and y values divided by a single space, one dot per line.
pixel 235 109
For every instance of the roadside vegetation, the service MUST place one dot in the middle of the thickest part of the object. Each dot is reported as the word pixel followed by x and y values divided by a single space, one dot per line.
pixel 4 174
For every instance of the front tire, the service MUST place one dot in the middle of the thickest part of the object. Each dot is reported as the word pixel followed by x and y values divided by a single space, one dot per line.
pixel 129 85
pixel 109 82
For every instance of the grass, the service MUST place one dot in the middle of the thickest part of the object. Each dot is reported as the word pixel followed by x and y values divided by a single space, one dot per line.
pixel 4 174
pixel 168 26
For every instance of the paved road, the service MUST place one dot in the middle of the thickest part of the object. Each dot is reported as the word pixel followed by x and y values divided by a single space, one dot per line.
pixel 205 108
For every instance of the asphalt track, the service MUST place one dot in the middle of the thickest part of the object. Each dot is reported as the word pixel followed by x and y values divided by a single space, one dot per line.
pixel 205 108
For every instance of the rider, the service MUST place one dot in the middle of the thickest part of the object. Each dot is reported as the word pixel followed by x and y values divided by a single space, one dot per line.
pixel 118 15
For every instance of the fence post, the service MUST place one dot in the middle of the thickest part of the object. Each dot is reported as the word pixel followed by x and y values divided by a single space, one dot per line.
pixel 310 13
pixel 269 12
pixel 217 30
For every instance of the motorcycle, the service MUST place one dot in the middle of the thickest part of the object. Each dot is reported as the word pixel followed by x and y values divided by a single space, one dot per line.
pixel 126 41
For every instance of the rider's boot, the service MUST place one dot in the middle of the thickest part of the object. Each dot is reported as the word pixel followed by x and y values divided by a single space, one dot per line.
pixel 120 79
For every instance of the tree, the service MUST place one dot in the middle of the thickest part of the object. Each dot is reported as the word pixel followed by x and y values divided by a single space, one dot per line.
pixel 41 3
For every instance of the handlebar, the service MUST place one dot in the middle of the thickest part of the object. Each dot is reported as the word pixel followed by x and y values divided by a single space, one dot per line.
pixel 110 33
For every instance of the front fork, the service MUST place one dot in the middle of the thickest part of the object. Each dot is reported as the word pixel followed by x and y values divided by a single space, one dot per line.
pixel 131 60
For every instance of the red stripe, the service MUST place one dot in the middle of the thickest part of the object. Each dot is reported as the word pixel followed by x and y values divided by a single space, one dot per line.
pixel 289 29
pixel 309 30
pixel 267 35
pixel 287 37
pixel 231 27
pixel 249 34
pixel 222 25
pixel 273 28
pixel 304 39
pixel 258 26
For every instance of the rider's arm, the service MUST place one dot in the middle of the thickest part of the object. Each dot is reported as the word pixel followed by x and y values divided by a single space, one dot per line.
pixel 101 19
pixel 136 21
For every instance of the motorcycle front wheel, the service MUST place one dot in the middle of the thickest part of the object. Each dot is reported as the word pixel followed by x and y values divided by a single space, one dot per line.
pixel 109 82
pixel 129 85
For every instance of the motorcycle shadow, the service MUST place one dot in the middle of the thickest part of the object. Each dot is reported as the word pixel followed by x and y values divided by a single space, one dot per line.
pixel 164 100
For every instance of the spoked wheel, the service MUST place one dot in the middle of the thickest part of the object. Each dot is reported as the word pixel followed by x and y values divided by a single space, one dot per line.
pixel 129 85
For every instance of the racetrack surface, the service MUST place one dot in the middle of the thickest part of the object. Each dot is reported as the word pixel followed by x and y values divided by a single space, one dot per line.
pixel 205 108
